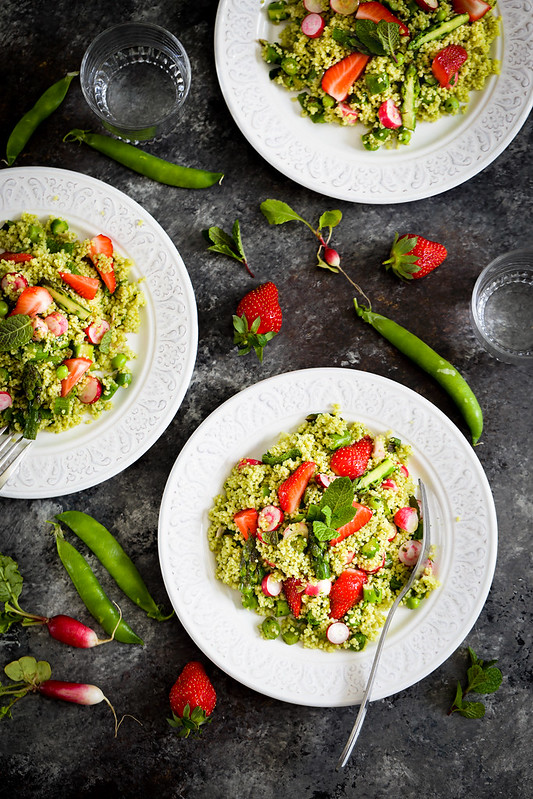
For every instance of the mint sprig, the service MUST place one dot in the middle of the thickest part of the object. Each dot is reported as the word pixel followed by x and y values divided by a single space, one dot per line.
pixel 370 38
pixel 482 678
pixel 228 244
pixel 15 332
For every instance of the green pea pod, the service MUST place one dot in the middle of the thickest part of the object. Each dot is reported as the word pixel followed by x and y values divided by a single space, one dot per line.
pixel 113 558
pixel 443 371
pixel 45 105
pixel 144 163
pixel 91 592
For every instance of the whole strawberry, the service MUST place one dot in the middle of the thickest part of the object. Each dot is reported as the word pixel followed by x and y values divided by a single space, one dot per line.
pixel 257 320
pixel 192 700
pixel 413 256
pixel 352 461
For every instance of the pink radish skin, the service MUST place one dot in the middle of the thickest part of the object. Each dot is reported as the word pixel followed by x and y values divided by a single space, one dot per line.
pixel 313 6
pixel 73 632
pixel 344 7
pixel 404 470
pixel 427 5
pixel 350 556
pixel 409 552
pixel 13 282
pixel 79 693
pixel 91 391
pixel 96 331
pixel 270 518
pixel 270 586
pixel 347 113
pixel 6 400
pixel 377 569
pixel 338 632
pixel 312 26
pixel 248 462
pixel 406 519
pixel 314 589
pixel 40 329
pixel 379 452
pixel 389 115
pixel 389 484
pixel 296 528
pixel 57 323
pixel 324 480
pixel 332 257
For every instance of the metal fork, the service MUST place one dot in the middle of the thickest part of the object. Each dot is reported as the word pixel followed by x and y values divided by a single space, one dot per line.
pixel 415 574
pixel 13 447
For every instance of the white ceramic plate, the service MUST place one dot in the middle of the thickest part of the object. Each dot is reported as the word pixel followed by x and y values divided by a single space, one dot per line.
pixel 330 159
pixel 165 345
pixel 464 530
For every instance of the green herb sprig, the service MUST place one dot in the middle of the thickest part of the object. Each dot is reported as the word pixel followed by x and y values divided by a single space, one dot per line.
pixel 228 244
pixel 371 38
pixel 482 678
pixel 15 332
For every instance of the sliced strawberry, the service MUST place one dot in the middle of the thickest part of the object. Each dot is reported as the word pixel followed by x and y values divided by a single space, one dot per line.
pixel 33 300
pixel 447 63
pixel 352 461
pixel 292 489
pixel 86 287
pixel 103 246
pixel 16 257
pixel 246 521
pixel 376 12
pixel 474 8
pixel 346 591
pixel 76 369
pixel 293 589
pixel 362 517
pixel 339 78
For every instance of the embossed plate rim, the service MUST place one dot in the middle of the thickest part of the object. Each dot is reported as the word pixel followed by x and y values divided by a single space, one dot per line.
pixel 467 145
pixel 89 454
pixel 463 517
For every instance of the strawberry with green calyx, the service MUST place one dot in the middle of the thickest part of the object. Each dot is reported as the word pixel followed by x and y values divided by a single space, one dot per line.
pixel 413 257
pixel 192 700
pixel 258 319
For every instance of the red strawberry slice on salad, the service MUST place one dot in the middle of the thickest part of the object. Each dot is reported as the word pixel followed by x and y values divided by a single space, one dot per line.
pixel 346 591
pixel 103 246
pixel 376 12
pixel 31 301
pixel 413 257
pixel 16 257
pixel 338 79
pixel 291 491
pixel 474 8
pixel 362 517
pixel 447 63
pixel 293 589
pixel 76 369
pixel 352 461
pixel 246 521
pixel 86 287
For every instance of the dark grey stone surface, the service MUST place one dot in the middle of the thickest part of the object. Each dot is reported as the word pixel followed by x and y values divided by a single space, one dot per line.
pixel 256 746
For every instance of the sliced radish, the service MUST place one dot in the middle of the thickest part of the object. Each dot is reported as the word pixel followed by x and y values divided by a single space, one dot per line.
pixel 6 400
pixel 409 552
pixel 393 532
pixel 312 26
pixel 379 452
pixel 12 282
pixel 344 7
pixel 338 632
pixel 248 462
pixel 324 480
pixel 57 323
pixel 427 5
pixel 39 329
pixel 389 115
pixel 91 391
pixel 350 116
pixel 350 556
pixel 270 518
pixel 376 569
pixel 404 470
pixel 324 586
pixel 389 484
pixel 314 6
pixel 294 529
pixel 270 586
pixel 406 519
pixel 96 331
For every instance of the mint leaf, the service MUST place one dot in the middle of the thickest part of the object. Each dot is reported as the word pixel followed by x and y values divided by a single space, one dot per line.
pixel 105 342
pixel 278 212
pixel 367 31
pixel 338 495
pixel 389 36
pixel 484 681
pixel 15 332
pixel 10 580
pixel 322 532
pixel 236 232
pixel 472 710
pixel 226 244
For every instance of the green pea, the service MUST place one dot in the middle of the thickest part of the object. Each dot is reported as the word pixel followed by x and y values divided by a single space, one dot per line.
pixel 62 372
pixel 412 602
pixel 376 84
pixel 381 134
pixel 369 143
pixel 451 105
pixel 282 608
pixel 58 226
pixel 123 379
pixel 4 308
pixel 441 15
pixel 404 135
pixel 370 549
pixel 291 636
pixel 328 101
pixel 34 233
pixel 270 628
pixel 119 361
pixel 400 58
pixel 289 65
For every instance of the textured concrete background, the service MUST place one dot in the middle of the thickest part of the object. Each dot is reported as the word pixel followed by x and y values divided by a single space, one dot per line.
pixel 258 747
